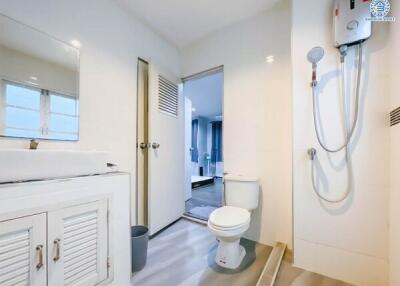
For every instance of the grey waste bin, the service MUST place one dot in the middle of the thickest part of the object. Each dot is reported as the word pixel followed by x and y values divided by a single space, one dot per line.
pixel 139 240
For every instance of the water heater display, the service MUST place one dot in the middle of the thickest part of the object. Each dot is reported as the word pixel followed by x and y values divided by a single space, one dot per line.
pixel 352 21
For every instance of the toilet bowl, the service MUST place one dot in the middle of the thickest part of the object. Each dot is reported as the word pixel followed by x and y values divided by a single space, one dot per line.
pixel 230 222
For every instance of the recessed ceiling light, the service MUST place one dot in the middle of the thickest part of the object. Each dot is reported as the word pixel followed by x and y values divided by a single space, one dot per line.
pixel 270 59
pixel 76 43
pixel 33 83
pixel 193 109
pixel 33 77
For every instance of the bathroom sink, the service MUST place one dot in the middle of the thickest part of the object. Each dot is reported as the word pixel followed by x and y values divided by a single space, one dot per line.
pixel 26 165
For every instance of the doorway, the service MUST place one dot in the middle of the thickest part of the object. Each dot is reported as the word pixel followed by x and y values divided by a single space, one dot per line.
pixel 204 164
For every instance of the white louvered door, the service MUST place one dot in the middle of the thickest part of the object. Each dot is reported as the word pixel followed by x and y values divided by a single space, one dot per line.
pixel 78 245
pixel 166 176
pixel 23 251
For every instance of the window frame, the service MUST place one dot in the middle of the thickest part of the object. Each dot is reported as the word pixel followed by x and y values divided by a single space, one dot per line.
pixel 44 111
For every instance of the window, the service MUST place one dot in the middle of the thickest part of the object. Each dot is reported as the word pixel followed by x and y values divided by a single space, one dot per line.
pixel 31 112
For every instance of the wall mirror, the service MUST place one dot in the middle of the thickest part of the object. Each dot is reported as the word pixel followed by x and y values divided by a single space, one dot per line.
pixel 39 84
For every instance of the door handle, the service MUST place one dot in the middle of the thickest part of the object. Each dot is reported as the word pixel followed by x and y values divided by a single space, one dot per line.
pixel 39 251
pixel 57 245
pixel 155 145
pixel 144 145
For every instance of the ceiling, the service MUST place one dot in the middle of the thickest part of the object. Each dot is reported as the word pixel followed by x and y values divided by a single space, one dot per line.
pixel 206 95
pixel 183 21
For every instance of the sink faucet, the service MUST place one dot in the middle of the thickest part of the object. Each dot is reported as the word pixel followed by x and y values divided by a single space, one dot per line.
pixel 33 144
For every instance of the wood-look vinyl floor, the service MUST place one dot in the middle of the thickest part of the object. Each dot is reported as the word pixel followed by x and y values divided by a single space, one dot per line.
pixel 183 255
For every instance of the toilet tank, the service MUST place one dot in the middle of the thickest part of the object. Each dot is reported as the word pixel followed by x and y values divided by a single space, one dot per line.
pixel 242 192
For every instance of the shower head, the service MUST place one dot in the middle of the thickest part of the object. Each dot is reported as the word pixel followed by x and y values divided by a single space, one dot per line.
pixel 315 55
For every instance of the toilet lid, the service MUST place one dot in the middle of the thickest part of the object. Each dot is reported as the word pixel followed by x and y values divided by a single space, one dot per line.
pixel 228 217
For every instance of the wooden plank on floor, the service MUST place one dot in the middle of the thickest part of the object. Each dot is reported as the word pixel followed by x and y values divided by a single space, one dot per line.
pixel 270 271
pixel 200 221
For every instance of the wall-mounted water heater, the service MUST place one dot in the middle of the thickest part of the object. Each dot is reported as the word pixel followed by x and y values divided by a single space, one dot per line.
pixel 352 23
pixel 352 26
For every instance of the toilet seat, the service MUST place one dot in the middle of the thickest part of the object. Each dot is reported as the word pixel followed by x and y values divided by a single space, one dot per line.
pixel 229 218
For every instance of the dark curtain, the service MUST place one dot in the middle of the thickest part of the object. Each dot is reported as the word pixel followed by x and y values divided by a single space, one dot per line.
pixel 194 149
pixel 216 142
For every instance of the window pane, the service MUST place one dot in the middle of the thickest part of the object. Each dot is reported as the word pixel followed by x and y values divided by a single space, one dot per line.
pixel 63 123
pixel 63 136
pixel 21 133
pixel 22 96
pixel 22 118
pixel 63 104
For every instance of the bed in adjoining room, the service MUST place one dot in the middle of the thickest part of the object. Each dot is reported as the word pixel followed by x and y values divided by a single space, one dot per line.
pixel 201 181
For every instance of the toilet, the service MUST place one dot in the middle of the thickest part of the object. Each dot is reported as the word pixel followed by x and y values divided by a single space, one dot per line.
pixel 230 222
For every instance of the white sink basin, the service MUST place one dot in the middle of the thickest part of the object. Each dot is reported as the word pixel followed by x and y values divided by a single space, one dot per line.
pixel 26 165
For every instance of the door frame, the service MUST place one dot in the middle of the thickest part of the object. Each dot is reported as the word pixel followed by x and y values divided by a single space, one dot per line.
pixel 201 74
pixel 143 207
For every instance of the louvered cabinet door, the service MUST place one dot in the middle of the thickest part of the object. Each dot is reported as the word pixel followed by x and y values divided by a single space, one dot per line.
pixel 23 251
pixel 78 245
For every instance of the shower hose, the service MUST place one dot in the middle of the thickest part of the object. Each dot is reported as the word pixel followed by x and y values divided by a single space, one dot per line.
pixel 349 134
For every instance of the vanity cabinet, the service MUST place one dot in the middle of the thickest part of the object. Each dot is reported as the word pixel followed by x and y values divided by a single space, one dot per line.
pixel 66 246
pixel 23 251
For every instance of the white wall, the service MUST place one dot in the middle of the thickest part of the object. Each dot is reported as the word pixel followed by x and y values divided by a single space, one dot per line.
pixel 347 241
pixel 257 100
pixel 111 43
pixel 394 250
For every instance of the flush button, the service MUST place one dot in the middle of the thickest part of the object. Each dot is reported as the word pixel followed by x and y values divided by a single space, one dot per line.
pixel 353 25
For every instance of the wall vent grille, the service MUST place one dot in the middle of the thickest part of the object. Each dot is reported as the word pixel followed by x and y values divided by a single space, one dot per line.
pixel 395 117
pixel 167 96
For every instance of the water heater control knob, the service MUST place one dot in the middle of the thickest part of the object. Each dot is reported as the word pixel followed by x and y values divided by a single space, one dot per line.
pixel 353 25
